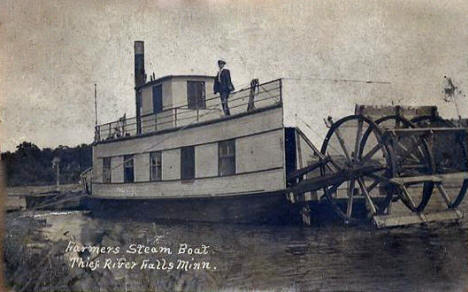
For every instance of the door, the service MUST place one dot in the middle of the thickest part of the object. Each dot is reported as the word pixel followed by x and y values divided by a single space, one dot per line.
pixel 157 99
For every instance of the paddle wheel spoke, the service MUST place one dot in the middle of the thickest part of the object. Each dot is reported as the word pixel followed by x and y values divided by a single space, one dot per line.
pixel 343 145
pixel 358 140
pixel 371 153
pixel 373 185
pixel 410 152
pixel 363 187
pixel 407 198
pixel 407 152
pixel 444 194
pixel 349 208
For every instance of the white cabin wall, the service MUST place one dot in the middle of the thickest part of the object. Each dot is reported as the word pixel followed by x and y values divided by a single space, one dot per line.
pixel 148 124
pixel 246 125
pixel 97 169
pixel 165 120
pixel 167 94
pixel 141 167
pixel 171 164
pixel 268 181
pixel 147 96
pixel 147 100
pixel 259 159
pixel 179 92
pixel 179 89
pixel 206 160
pixel 259 152
pixel 117 169
pixel 209 90
pixel 174 94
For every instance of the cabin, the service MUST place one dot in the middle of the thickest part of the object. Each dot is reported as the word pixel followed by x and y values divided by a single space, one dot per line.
pixel 185 151
pixel 181 145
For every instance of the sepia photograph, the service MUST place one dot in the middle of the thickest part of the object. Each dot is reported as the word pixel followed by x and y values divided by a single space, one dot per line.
pixel 221 145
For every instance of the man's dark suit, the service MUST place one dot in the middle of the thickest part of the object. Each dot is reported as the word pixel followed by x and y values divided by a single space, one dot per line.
pixel 223 85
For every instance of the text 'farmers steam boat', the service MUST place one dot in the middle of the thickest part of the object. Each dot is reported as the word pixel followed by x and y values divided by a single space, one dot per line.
pixel 192 155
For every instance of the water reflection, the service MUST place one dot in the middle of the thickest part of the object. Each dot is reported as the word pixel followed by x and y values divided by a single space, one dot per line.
pixel 327 258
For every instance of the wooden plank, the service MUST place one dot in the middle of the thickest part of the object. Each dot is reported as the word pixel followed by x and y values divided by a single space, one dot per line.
pixel 410 131
pixel 454 175
pixel 385 221
pixel 38 190
pixel 436 178
pixel 307 169
pixel 416 179
pixel 315 183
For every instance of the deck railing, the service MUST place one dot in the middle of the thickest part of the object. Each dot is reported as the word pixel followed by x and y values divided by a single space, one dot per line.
pixel 244 100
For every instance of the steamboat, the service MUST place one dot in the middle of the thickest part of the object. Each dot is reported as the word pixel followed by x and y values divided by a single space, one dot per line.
pixel 181 158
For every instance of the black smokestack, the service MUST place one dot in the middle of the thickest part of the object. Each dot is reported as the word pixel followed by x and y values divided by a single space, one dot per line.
pixel 140 76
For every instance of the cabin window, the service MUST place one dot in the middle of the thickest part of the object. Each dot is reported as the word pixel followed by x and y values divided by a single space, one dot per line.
pixel 227 157
pixel 196 94
pixel 187 163
pixel 129 176
pixel 106 169
pixel 157 99
pixel 155 166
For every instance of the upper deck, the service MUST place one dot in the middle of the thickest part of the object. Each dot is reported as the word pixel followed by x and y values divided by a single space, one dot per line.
pixel 182 101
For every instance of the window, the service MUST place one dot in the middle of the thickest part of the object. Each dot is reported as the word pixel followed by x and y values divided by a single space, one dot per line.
pixel 106 169
pixel 227 157
pixel 196 94
pixel 128 169
pixel 155 166
pixel 187 163
pixel 157 99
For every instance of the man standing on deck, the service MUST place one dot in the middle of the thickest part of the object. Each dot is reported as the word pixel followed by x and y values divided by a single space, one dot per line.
pixel 223 85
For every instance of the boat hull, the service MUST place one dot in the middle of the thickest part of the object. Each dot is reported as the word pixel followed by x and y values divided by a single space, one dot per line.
pixel 246 208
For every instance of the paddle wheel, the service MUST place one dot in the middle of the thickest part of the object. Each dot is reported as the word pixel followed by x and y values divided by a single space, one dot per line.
pixel 365 167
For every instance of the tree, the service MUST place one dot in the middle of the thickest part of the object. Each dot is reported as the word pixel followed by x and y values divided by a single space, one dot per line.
pixel 29 165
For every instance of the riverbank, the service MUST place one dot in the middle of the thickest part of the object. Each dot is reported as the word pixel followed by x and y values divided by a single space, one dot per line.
pixel 16 199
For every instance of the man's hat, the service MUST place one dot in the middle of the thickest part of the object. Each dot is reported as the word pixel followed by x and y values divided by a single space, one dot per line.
pixel 221 60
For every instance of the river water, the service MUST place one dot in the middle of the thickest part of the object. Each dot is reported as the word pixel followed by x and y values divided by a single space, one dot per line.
pixel 329 257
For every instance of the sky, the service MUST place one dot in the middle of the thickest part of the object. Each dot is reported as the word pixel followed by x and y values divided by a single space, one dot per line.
pixel 52 53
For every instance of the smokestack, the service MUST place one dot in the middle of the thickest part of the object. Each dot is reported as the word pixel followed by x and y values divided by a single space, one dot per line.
pixel 140 76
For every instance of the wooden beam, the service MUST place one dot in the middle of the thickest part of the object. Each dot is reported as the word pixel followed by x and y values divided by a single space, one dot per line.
pixel 385 221
pixel 412 131
pixel 416 179
pixel 312 167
